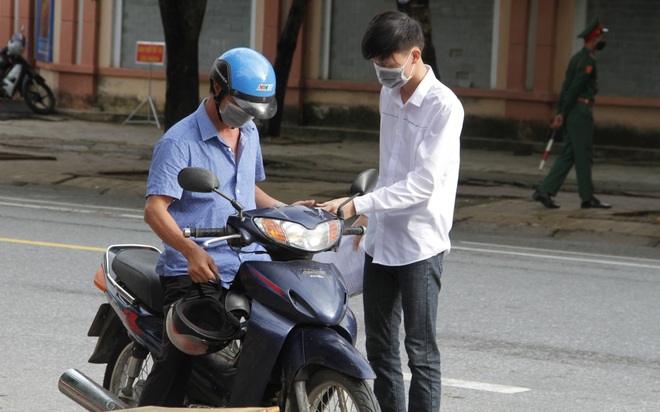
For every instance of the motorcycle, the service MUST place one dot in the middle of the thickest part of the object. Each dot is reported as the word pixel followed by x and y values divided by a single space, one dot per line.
pixel 295 349
pixel 20 77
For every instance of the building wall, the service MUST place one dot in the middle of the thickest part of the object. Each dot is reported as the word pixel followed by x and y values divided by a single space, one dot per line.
pixel 226 25
pixel 349 20
pixel 628 66
pixel 503 58
pixel 140 21
pixel 461 34
pixel 462 37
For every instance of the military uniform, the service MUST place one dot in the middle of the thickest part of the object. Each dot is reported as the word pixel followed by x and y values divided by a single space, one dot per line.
pixel 576 102
pixel 575 105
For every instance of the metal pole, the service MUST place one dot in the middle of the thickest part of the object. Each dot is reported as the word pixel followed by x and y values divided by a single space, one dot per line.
pixel 149 95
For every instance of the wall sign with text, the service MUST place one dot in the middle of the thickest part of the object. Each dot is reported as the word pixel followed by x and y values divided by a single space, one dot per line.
pixel 149 52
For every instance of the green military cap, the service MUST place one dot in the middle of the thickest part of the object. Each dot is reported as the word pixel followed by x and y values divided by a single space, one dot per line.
pixel 593 29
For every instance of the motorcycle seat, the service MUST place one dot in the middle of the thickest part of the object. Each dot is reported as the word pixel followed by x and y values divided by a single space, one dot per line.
pixel 136 268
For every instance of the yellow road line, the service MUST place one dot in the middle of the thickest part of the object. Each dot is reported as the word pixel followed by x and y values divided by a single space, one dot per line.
pixel 49 244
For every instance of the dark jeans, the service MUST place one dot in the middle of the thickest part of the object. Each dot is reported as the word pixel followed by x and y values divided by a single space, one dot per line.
pixel 410 292
pixel 167 382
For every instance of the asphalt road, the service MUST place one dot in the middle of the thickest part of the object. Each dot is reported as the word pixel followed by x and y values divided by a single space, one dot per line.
pixel 47 298
pixel 526 324
pixel 14 110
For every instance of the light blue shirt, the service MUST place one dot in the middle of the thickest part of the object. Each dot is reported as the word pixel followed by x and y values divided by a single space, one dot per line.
pixel 195 142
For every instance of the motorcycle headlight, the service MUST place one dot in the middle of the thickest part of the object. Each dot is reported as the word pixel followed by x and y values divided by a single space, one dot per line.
pixel 323 236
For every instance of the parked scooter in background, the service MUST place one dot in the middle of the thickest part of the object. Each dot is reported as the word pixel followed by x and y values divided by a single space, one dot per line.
pixel 18 76
pixel 294 345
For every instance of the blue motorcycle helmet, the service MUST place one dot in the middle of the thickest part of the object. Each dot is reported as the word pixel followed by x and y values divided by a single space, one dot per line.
pixel 249 78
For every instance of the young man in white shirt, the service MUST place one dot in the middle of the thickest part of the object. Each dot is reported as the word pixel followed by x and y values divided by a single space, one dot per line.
pixel 409 214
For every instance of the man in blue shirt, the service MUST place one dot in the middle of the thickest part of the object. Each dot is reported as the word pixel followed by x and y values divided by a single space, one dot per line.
pixel 220 136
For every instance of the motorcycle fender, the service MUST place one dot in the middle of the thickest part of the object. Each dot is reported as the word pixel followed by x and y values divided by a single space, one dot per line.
pixel 110 331
pixel 100 320
pixel 27 78
pixel 322 347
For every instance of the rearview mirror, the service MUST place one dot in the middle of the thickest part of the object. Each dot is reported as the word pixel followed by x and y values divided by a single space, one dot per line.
pixel 197 179
pixel 365 182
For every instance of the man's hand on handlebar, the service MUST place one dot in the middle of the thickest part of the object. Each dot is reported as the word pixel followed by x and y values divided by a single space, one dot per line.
pixel 332 206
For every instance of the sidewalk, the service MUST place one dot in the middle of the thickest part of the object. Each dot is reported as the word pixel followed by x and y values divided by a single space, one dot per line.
pixel 494 191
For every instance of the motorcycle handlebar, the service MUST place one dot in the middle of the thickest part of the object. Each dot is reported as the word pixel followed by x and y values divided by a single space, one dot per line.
pixel 355 231
pixel 226 231
pixel 208 232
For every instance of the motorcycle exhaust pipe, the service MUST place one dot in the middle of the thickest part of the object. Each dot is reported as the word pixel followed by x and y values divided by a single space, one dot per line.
pixel 87 393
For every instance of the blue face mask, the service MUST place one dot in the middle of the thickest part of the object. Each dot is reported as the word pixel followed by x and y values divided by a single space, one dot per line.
pixel 393 77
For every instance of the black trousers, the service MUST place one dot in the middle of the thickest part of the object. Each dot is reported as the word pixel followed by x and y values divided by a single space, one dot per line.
pixel 167 382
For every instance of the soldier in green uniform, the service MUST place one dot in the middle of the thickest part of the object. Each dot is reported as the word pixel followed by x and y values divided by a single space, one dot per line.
pixel 574 113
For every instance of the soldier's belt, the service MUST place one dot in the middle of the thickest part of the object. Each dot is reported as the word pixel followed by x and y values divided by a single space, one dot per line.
pixel 586 101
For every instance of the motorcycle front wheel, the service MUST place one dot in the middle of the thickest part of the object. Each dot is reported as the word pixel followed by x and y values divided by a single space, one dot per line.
pixel 38 96
pixel 331 391
pixel 116 378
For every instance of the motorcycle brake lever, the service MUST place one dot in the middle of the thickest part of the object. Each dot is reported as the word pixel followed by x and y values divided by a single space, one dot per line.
pixel 220 239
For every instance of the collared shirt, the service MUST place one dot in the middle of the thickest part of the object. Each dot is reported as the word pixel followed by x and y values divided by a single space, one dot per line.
pixel 195 142
pixel 411 210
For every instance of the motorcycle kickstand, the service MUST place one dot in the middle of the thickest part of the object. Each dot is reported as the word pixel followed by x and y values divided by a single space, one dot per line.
pixel 300 389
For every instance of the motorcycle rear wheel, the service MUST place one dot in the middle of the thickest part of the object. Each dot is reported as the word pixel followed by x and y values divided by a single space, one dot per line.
pixel 331 391
pixel 116 375
pixel 38 96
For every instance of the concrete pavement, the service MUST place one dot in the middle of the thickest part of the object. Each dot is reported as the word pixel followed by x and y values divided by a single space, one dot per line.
pixel 494 192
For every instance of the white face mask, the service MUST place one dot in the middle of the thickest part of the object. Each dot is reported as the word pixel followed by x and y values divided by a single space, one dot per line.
pixel 393 77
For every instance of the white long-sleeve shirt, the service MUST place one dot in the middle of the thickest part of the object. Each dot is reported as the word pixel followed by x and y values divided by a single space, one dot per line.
pixel 412 208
